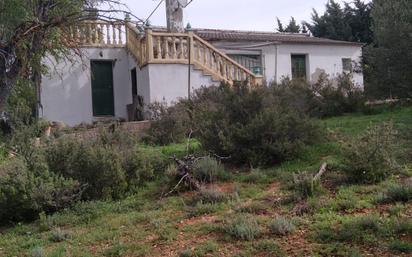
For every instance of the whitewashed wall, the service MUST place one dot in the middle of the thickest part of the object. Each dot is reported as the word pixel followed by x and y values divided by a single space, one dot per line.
pixel 327 58
pixel 169 82
pixel 66 93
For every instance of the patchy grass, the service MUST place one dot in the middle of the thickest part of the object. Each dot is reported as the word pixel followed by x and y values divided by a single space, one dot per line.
pixel 236 218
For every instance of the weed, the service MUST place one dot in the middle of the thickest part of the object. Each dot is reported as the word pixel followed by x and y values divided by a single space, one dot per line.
pixel 254 177
pixel 396 193
pixel 201 209
pixel 269 247
pixel 304 185
pixel 243 228
pixel 37 252
pixel 59 235
pixel 400 246
pixel 281 226
pixel 211 196
pixel 252 208
pixel 209 170
pixel 116 250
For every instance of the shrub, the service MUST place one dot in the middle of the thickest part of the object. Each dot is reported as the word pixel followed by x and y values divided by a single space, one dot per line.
pixel 396 193
pixel 201 209
pixel 25 193
pixel 37 252
pixel 243 228
pixel 252 208
pixel 210 196
pixel 400 246
pixel 59 235
pixel 324 98
pixel 304 185
pixel 371 156
pixel 255 176
pixel 168 124
pixel 97 165
pixel 281 226
pixel 209 170
pixel 250 126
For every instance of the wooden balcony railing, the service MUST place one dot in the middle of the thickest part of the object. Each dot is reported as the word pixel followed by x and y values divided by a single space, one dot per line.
pixel 165 48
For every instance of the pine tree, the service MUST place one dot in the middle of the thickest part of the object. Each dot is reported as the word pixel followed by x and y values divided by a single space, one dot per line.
pixel 352 22
pixel 389 59
pixel 280 26
pixel 293 27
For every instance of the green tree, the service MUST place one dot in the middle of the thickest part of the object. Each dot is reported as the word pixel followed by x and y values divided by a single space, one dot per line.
pixel 350 22
pixel 389 59
pixel 292 27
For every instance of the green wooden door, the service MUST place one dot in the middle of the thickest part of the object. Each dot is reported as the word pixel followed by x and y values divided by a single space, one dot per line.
pixel 298 66
pixel 102 88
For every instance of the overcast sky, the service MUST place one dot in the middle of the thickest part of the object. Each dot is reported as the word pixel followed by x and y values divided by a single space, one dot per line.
pixel 232 14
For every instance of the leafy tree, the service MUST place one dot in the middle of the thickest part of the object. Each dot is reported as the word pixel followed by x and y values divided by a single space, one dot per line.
pixel 389 59
pixel 351 22
pixel 33 29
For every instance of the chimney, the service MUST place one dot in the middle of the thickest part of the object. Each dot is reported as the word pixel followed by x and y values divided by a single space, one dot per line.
pixel 174 14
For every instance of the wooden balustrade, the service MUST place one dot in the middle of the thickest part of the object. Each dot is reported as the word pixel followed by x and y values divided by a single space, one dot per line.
pixel 164 48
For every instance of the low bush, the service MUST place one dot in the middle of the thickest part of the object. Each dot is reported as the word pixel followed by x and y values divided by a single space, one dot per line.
pixel 249 126
pixel 211 196
pixel 281 226
pixel 59 235
pixel 352 229
pixel 25 193
pixel 304 185
pixel 168 124
pixel 324 98
pixel 370 157
pixel 254 176
pixel 243 228
pixel 201 209
pixel 396 193
pixel 399 246
pixel 252 208
pixel 208 170
pixel 97 165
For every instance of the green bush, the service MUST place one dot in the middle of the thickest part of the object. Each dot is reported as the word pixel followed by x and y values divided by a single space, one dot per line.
pixel 25 193
pixel 324 98
pixel 252 208
pixel 281 226
pixel 254 176
pixel 400 246
pixel 249 126
pixel 209 170
pixel 168 124
pixel 97 165
pixel 243 228
pixel 304 185
pixel 211 196
pixel 396 193
pixel 370 157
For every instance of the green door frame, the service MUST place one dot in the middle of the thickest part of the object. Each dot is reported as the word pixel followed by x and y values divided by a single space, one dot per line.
pixel 102 84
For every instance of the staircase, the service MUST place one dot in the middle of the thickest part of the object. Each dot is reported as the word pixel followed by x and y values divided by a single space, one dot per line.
pixel 152 47
pixel 186 48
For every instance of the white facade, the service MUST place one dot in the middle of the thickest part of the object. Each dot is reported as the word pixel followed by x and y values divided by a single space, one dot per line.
pixel 277 58
pixel 66 94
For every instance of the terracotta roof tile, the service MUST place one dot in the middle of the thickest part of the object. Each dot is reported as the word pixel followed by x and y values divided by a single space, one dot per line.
pixel 255 36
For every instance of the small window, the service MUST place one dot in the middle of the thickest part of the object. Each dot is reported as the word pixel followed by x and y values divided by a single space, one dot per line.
pixel 347 65
pixel 299 66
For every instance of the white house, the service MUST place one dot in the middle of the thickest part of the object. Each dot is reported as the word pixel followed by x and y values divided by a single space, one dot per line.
pixel 121 62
